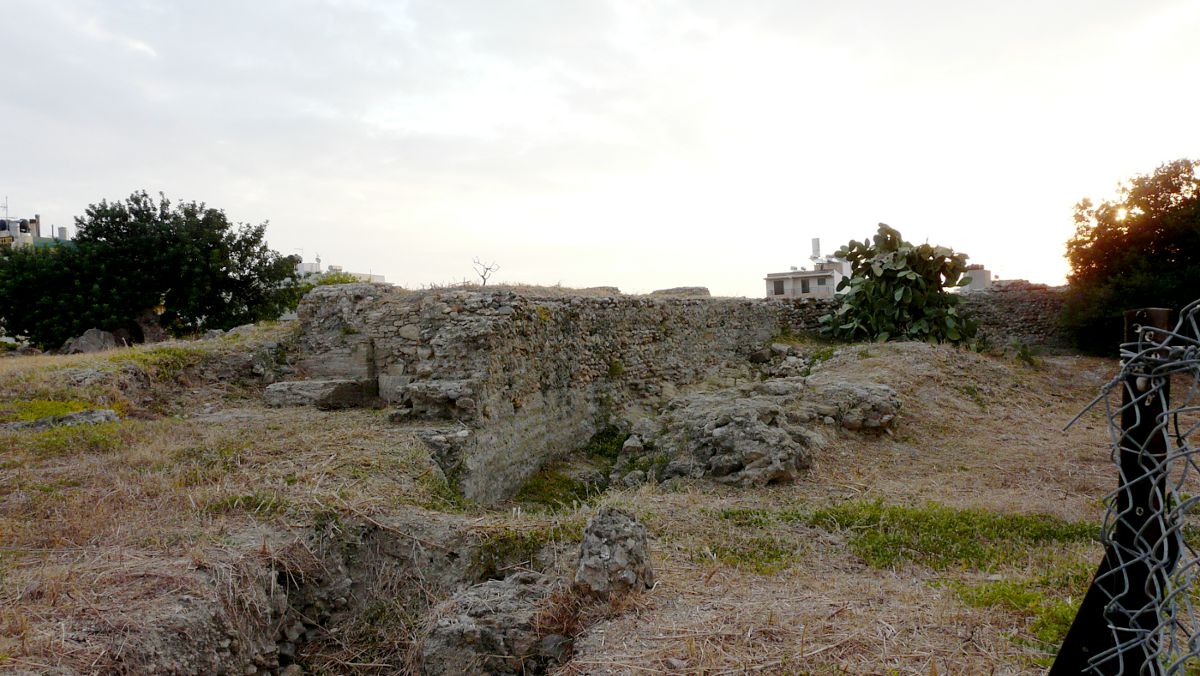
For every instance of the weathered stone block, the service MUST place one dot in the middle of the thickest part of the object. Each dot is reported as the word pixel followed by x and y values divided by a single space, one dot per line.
pixel 489 629
pixel 92 340
pixel 614 557
pixel 324 394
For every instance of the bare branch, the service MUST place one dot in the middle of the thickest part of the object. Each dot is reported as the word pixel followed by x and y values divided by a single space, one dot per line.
pixel 484 270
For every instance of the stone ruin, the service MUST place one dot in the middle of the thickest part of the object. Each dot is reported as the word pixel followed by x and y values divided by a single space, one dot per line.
pixel 505 383
pixel 499 626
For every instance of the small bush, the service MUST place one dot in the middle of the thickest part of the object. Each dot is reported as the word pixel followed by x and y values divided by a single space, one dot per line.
pixel 897 291
pixel 616 369
pixel 1027 355
pixel 327 278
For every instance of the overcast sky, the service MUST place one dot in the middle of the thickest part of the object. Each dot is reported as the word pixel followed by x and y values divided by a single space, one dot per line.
pixel 635 143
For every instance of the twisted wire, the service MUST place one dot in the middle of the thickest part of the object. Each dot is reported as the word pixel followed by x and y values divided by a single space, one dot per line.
pixel 1155 626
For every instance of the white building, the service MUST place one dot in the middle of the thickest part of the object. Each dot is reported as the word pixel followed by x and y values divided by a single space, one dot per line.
pixel 981 278
pixel 820 282
pixel 309 269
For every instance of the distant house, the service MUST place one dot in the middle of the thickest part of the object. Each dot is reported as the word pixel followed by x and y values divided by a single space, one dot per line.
pixel 312 269
pixel 820 282
pixel 981 278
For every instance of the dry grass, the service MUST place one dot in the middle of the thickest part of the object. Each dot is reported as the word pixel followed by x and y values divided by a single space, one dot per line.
pixel 99 533
pixel 736 595
pixel 122 516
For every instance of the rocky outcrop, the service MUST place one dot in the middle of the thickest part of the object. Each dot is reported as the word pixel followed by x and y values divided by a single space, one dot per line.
pixel 92 340
pixel 509 626
pixel 490 629
pixel 736 436
pixel 614 557
pixel 752 435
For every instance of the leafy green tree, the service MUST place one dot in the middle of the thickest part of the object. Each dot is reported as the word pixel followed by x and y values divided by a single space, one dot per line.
pixel 1141 249
pixel 897 291
pixel 186 264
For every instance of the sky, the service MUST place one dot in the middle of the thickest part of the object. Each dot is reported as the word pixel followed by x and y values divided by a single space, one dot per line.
pixel 633 143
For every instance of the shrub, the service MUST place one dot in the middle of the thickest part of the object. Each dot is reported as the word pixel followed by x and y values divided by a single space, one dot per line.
pixel 897 291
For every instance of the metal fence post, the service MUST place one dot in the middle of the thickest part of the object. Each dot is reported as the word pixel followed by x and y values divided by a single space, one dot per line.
pixel 1114 630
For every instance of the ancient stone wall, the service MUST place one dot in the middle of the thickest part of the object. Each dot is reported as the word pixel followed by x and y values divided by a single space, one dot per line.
pixel 1021 313
pixel 528 379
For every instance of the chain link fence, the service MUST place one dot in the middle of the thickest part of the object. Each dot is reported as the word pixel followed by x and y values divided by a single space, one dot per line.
pixel 1140 614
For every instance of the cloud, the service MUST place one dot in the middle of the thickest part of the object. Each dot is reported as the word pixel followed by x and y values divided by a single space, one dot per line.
pixel 599 141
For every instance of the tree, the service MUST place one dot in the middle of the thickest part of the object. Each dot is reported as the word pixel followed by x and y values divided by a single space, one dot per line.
pixel 1141 249
pixel 897 291
pixel 484 270
pixel 186 264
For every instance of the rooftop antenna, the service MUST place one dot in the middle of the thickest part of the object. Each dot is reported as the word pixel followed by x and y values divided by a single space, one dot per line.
pixel 6 206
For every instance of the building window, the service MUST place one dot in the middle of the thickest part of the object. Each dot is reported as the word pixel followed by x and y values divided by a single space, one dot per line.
pixel 820 281
pixel 777 287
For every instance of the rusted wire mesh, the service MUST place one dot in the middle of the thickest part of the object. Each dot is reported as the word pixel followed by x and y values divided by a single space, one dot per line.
pixel 1149 578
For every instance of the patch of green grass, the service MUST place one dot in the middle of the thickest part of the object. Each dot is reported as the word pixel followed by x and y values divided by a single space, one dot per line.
pixel 818 356
pixel 975 395
pixel 34 409
pixel 1027 354
pixel 74 440
pixel 1049 617
pixel 441 493
pixel 1049 602
pixel 747 518
pixel 787 336
pixel 616 368
pixel 650 462
pixel 823 354
pixel 258 502
pixel 866 354
pixel 761 554
pixel 226 454
pixel 554 488
pixel 941 537
pixel 605 444
pixel 163 363
pixel 501 550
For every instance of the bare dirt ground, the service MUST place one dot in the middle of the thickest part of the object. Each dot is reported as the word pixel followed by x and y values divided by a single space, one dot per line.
pixel 103 530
